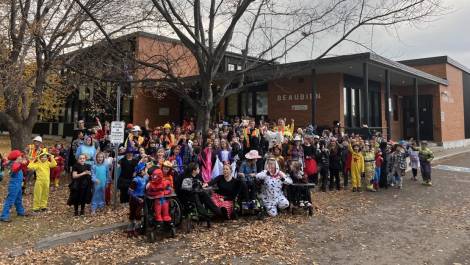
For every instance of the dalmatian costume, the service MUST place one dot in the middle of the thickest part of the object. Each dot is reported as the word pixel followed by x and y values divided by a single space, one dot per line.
pixel 271 192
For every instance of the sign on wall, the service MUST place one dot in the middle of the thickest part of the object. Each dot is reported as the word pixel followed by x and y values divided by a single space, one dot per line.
pixel 299 107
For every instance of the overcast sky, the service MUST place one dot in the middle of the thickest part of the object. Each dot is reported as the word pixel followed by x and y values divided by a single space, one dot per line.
pixel 447 35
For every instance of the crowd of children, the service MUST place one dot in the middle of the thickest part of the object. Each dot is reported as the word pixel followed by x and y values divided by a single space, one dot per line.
pixel 234 156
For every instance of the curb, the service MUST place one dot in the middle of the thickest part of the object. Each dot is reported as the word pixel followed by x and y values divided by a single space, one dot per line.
pixel 443 157
pixel 69 237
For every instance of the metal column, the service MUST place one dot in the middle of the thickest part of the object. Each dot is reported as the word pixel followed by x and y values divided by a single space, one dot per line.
pixel 416 105
pixel 314 96
pixel 365 94
pixel 116 147
pixel 388 105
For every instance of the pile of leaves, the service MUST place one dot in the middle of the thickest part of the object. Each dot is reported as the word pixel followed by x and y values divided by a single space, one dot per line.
pixel 261 241
pixel 25 231
pixel 112 248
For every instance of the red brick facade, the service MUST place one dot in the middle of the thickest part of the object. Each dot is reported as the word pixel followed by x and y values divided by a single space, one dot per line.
pixel 291 98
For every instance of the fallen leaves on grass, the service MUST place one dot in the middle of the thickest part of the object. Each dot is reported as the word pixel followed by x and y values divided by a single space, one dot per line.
pixel 25 231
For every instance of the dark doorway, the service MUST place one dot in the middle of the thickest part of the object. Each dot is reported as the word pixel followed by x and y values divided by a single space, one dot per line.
pixel 425 117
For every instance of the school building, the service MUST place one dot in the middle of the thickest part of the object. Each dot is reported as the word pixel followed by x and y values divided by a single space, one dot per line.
pixel 427 99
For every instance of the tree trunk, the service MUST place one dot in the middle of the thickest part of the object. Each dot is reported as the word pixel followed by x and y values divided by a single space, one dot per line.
pixel 203 121
pixel 20 136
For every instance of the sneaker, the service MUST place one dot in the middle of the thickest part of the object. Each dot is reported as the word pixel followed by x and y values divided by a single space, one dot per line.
pixel 429 183
pixel 309 204
pixel 43 210
pixel 354 189
pixel 6 220
pixel 301 204
pixel 392 184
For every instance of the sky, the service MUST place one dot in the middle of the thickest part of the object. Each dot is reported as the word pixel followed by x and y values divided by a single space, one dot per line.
pixel 448 35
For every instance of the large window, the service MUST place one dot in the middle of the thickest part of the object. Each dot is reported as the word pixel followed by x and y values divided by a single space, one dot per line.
pixel 354 105
pixel 252 103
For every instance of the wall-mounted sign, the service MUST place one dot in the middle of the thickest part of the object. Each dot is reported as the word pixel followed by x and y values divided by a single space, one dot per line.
pixel 296 97
pixel 164 111
pixel 299 107
pixel 443 116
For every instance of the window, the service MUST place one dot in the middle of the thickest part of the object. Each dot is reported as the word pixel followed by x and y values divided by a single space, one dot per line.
pixel 230 67
pixel 353 102
pixel 395 108
pixel 247 103
pixel 262 103
pixel 232 105
pixel 239 67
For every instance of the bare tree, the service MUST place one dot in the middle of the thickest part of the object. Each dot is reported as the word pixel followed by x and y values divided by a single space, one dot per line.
pixel 265 29
pixel 33 34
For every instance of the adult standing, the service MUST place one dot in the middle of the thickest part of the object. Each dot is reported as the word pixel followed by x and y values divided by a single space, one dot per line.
pixel 127 165
pixel 88 149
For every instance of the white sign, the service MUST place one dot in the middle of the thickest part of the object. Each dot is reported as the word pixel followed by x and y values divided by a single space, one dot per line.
pixel 117 132
pixel 299 107
pixel 390 104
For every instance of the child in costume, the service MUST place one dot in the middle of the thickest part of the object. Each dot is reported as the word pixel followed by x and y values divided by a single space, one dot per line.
pixel 298 195
pixel 100 175
pixel 158 186
pixel 57 171
pixel 15 196
pixel 136 197
pixel 271 194
pixel 323 159
pixel 413 151
pixel 399 165
pixel 42 166
pixel 369 166
pixel 357 167
pixel 378 168
pixel 425 157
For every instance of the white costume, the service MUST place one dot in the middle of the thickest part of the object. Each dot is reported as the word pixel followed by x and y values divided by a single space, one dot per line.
pixel 271 192
pixel 273 138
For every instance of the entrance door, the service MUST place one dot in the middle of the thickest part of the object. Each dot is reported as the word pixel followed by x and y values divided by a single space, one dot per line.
pixel 425 117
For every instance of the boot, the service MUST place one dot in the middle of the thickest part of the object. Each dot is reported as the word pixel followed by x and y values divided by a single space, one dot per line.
pixel 158 211
pixel 166 212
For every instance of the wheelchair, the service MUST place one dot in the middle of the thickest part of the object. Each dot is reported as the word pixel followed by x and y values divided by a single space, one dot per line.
pixel 191 216
pixel 151 228
pixel 293 194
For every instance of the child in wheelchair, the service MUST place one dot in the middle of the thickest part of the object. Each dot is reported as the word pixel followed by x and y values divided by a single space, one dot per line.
pixel 194 197
pixel 156 189
pixel 298 195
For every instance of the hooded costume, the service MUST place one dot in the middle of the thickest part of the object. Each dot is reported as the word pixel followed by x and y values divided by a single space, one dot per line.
pixel 357 167
pixel 43 179
pixel 157 188
pixel 271 192
pixel 14 196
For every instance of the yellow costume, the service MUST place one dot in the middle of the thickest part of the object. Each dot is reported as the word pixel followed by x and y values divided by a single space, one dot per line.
pixel 289 129
pixel 357 167
pixel 41 187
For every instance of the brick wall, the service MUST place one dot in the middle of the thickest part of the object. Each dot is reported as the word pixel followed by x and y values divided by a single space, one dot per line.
pixel 291 98
pixel 453 125
pixel 182 62
pixel 147 106
pixel 448 101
